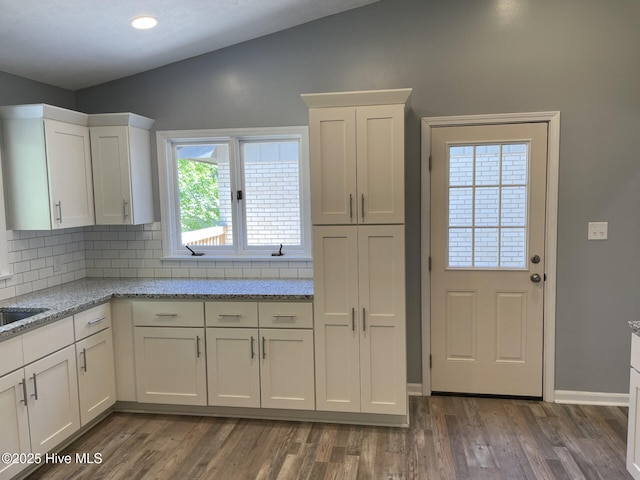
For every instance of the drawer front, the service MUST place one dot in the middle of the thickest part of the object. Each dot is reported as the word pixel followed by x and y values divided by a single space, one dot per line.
pixel 168 314
pixel 11 355
pixel 47 339
pixel 635 351
pixel 92 321
pixel 231 314
pixel 286 315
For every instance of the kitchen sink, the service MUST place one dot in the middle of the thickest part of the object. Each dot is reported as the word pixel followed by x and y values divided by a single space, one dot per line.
pixel 9 315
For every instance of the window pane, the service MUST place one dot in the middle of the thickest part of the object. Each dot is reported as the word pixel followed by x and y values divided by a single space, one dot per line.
pixel 204 185
pixel 461 207
pixel 487 206
pixel 460 247
pixel 272 192
pixel 488 165
pixel 485 248
pixel 512 248
pixel 514 206
pixel 514 164
pixel 460 166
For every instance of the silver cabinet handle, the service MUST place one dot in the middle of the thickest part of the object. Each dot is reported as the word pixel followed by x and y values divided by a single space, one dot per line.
pixel 35 387
pixel 363 206
pixel 353 319
pixel 198 346
pixel 229 315
pixel 95 320
pixel 124 209
pixel 351 206
pixel 59 207
pixel 364 323
pixel 264 350
pixel 166 314
pixel 84 357
pixel 24 391
pixel 284 315
pixel 253 353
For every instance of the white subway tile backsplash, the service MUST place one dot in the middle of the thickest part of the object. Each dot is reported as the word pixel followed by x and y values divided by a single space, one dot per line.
pixel 41 259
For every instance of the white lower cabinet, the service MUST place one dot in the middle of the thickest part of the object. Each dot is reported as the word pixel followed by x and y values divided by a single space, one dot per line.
pixel 96 374
pixel 286 369
pixel 359 314
pixel 170 365
pixel 14 420
pixel 260 367
pixel 233 367
pixel 633 431
pixel 52 388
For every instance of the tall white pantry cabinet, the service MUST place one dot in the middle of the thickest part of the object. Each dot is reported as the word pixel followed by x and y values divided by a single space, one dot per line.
pixel 357 191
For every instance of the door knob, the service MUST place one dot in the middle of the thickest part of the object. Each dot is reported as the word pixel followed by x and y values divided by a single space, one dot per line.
pixel 535 278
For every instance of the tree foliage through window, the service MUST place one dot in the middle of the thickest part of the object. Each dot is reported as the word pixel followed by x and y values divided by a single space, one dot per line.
pixel 199 194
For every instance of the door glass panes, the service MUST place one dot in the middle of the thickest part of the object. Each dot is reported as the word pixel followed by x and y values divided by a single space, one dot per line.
pixel 204 187
pixel 488 205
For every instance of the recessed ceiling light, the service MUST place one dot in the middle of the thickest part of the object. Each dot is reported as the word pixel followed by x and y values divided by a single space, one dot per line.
pixel 143 23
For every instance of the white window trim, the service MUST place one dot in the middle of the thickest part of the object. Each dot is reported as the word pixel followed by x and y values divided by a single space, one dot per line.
pixel 171 246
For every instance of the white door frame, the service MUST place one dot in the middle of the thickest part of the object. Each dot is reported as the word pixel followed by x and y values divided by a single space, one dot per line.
pixel 551 226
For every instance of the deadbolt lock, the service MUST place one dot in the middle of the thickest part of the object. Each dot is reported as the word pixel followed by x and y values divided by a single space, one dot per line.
pixel 535 259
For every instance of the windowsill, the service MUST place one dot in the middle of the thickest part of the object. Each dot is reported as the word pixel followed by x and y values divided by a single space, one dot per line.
pixel 248 258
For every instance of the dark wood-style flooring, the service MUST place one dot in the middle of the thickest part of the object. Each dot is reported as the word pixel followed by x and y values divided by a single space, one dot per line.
pixel 449 438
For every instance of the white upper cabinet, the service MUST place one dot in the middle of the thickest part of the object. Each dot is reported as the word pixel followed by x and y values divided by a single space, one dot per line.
pixel 357 157
pixel 47 168
pixel 121 158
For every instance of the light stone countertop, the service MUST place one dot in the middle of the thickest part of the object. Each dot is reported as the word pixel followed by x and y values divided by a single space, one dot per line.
pixel 74 297
pixel 635 326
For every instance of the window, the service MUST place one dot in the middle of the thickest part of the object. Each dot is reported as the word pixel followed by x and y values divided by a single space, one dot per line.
pixel 238 193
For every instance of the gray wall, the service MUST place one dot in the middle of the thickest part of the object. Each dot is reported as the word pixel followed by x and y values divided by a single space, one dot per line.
pixel 580 57
pixel 17 90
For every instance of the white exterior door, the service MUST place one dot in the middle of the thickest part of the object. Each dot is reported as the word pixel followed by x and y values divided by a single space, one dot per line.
pixel 488 186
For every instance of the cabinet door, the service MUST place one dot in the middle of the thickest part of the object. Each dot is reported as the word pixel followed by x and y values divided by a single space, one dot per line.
pixel 233 367
pixel 96 376
pixel 380 164
pixel 111 179
pixel 336 317
pixel 14 421
pixel 286 369
pixel 170 365
pixel 70 178
pixel 633 432
pixel 382 314
pixel 332 145
pixel 53 399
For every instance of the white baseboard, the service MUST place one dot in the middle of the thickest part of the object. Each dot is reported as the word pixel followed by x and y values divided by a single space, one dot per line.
pixel 414 389
pixel 592 398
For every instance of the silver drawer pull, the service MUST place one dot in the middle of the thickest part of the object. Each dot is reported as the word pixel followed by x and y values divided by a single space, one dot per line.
pixel 284 315
pixel 166 314
pixel 229 314
pixel 95 320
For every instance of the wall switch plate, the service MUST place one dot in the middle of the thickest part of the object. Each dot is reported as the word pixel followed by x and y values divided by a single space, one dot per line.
pixel 597 230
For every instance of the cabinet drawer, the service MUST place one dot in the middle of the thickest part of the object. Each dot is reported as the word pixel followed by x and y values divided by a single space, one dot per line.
pixel 11 355
pixel 47 339
pixel 286 315
pixel 92 321
pixel 168 314
pixel 635 351
pixel 231 314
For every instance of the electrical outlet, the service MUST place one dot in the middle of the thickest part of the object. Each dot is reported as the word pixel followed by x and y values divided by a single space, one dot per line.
pixel 57 265
pixel 598 230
